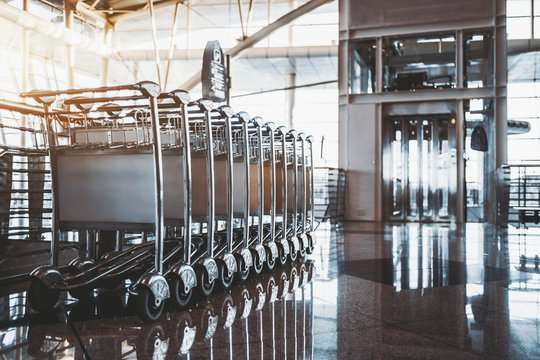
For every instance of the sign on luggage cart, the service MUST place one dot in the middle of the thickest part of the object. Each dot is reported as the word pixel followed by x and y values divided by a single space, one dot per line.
pixel 214 73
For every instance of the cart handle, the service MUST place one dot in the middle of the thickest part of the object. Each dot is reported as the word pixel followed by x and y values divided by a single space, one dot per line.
pixel 147 88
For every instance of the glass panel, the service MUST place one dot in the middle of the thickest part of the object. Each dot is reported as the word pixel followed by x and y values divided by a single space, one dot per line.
pixel 419 63
pixel 397 171
pixel 443 162
pixel 478 55
pixel 413 168
pixel 518 7
pixel 362 67
pixel 427 170
pixel 518 28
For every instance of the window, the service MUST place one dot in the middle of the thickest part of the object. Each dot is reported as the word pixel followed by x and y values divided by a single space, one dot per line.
pixel 362 72
pixel 414 63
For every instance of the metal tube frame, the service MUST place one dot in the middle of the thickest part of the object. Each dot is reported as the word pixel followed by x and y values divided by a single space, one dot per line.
pixel 210 183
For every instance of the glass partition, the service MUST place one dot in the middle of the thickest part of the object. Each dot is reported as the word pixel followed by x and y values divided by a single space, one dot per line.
pixel 478 59
pixel 362 61
pixel 413 63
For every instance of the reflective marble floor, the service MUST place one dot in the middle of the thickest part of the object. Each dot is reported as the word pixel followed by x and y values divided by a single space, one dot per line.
pixel 370 291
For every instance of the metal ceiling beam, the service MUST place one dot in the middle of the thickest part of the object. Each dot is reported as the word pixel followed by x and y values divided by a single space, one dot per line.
pixel 251 53
pixel 142 10
pixel 55 31
pixel 262 34
pixel 87 11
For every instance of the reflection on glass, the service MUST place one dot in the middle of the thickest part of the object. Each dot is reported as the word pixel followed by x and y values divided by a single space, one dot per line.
pixel 362 67
pixel 443 162
pixel 413 168
pixel 426 62
pixel 397 175
pixel 478 53
pixel 427 169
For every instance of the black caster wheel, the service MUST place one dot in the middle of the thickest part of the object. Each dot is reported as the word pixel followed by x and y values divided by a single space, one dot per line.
pixel 78 266
pixel 243 271
pixel 179 295
pixel 282 257
pixel 270 262
pixel 147 308
pixel 310 247
pixel 257 269
pixel 225 280
pixel 40 297
pixel 205 287
pixel 293 255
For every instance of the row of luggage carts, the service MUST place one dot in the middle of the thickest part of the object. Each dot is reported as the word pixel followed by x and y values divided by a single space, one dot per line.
pixel 219 193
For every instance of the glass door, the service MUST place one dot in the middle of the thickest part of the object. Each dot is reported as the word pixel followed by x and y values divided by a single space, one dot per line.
pixel 418 167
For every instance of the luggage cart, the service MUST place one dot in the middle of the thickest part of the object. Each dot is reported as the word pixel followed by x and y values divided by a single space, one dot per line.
pixel 100 182
pixel 129 166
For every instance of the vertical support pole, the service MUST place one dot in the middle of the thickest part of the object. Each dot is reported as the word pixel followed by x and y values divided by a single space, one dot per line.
pixel 210 182
pixel 171 46
pixel 105 61
pixel 55 236
pixel 460 132
pixel 228 65
pixel 188 22
pixel 500 113
pixel 68 16
pixel 379 67
pixel 154 38
pixel 284 183
pixel 261 181
pixel 295 184
pixel 270 129
pixel 247 177
pixel 291 93
pixel 158 173
pixel 230 183
pixel 460 163
pixel 187 184
pixel 460 69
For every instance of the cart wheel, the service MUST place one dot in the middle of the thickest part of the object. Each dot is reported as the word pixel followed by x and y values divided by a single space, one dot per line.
pixel 310 247
pixel 225 281
pixel 243 270
pixel 282 256
pixel 292 254
pixel 270 262
pixel 147 308
pixel 178 292
pixel 40 297
pixel 256 267
pixel 204 286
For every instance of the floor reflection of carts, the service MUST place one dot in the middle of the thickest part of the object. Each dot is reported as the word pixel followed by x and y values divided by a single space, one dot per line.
pixel 215 194
pixel 234 319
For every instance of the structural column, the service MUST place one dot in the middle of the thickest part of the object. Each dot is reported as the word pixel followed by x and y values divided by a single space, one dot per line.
pixel 70 51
